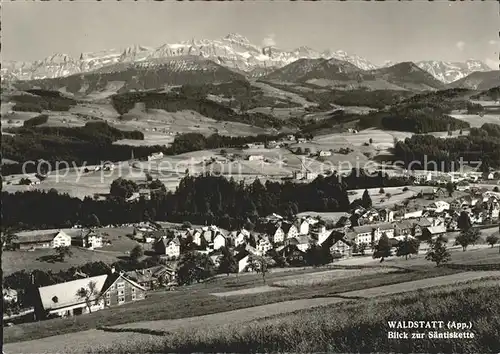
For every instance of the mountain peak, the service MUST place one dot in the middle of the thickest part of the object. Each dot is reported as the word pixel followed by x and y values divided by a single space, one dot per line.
pixel 236 37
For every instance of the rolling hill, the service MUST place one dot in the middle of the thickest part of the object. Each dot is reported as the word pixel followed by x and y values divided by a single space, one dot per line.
pixel 409 76
pixel 478 81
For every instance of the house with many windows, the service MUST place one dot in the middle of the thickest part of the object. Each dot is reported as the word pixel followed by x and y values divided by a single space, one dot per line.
pixel 87 239
pixel 63 300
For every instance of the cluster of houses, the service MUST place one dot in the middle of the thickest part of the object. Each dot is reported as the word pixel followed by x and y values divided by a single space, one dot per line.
pixel 273 236
pixel 274 144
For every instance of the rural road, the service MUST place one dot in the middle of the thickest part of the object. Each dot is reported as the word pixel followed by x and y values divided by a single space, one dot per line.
pixel 82 342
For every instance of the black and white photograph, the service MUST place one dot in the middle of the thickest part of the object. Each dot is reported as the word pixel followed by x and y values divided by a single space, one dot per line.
pixel 250 177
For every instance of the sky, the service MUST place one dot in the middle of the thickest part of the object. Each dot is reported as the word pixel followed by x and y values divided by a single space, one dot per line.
pixel 378 31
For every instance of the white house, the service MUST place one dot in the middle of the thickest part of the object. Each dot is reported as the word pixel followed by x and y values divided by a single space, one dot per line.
pixel 170 248
pixel 155 156
pixel 439 206
pixel 277 234
pixel 239 237
pixel 219 241
pixel 324 153
pixel 263 245
pixel 173 248
pixel 88 239
pixel 304 227
pixel 372 233
pixel 243 263
pixel 413 214
pixel 255 157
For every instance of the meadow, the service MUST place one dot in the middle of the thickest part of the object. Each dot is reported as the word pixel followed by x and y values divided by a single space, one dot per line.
pixel 198 300
pixel 356 326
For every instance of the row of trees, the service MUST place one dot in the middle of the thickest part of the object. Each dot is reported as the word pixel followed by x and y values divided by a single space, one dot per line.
pixel 201 200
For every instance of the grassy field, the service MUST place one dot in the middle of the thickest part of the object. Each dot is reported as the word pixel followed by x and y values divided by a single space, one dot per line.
pixel 360 326
pixel 197 300
pixel 13 261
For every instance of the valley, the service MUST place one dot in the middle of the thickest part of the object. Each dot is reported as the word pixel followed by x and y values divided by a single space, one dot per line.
pixel 219 181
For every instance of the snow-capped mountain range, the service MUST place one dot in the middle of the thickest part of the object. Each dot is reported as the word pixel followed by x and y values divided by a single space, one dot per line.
pixel 233 51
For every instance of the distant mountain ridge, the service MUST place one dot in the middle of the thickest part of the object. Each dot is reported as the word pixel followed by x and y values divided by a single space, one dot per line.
pixel 151 75
pixel 233 51
pixel 449 72
pixel 340 74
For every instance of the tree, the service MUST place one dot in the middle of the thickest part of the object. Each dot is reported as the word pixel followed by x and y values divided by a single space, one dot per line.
pixel 123 188
pixel 450 188
pixel 492 240
pixel 136 253
pixel 63 252
pixel 437 251
pixel 383 248
pixel 407 247
pixel 468 237
pixel 88 293
pixel 381 191
pixel 8 239
pixel 93 221
pixel 149 178
pixel 260 265
pixel 317 255
pixel 464 222
pixel 187 225
pixel 366 200
pixel 371 141
pixel 194 266
pixel 388 195
pixel 495 189
pixel 227 262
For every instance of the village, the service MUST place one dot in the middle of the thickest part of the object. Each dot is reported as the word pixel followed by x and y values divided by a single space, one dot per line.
pixel 273 241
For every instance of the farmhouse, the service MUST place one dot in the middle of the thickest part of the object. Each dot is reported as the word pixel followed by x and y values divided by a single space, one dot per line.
pixel 44 240
pixel 324 153
pixel 170 248
pixel 342 248
pixel 87 239
pixel 62 299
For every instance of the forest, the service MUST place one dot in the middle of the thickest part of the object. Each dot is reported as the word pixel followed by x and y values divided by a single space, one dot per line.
pixel 200 200
pixel 377 99
pixel 91 143
pixel 174 102
pixel 38 100
pixel 477 147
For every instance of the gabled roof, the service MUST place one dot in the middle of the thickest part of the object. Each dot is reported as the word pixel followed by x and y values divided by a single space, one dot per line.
pixel 369 227
pixel 64 294
pixel 343 240
pixel 285 226
pixel 142 275
pixel 436 229
pixel 175 240
pixel 42 237
pixel 113 278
